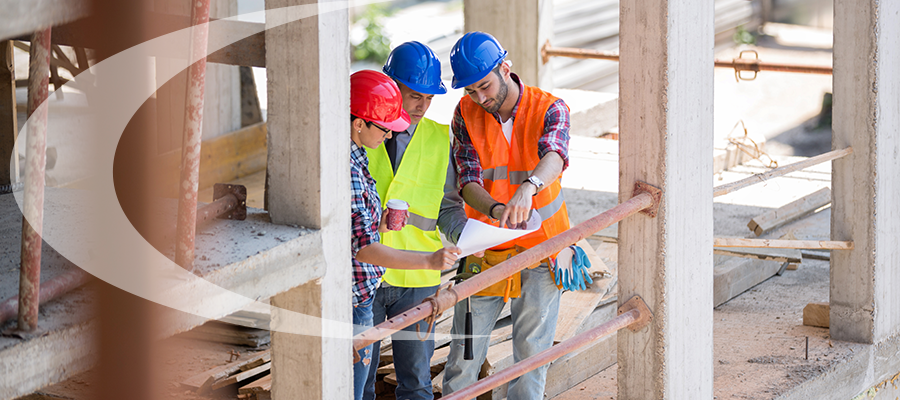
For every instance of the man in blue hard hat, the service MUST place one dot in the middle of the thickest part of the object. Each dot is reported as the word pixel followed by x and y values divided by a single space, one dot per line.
pixel 510 148
pixel 414 166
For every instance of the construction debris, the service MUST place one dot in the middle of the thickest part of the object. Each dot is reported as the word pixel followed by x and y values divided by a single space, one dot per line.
pixel 816 314
pixel 790 212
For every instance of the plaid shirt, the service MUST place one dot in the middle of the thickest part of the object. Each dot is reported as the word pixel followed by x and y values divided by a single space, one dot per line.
pixel 555 138
pixel 365 208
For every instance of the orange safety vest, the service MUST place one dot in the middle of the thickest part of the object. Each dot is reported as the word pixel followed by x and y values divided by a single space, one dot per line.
pixel 506 165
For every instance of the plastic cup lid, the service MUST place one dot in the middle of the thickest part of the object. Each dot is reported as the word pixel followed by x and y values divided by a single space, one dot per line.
pixel 397 204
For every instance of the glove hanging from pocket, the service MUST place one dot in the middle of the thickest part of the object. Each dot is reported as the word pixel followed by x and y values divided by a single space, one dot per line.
pixel 572 269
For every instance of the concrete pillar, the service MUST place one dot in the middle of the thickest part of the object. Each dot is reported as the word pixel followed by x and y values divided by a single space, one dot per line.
pixel 308 70
pixel 865 306
pixel 9 129
pixel 522 27
pixel 666 140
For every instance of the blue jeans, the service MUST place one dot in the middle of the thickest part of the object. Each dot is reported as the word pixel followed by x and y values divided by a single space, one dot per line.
pixel 412 357
pixel 534 325
pixel 362 320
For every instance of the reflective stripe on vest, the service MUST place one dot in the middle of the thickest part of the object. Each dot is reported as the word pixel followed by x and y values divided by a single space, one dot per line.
pixel 506 164
pixel 420 182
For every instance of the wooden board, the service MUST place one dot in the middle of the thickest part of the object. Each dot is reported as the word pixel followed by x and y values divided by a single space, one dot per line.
pixel 215 331
pixel 196 381
pixel 576 306
pixel 222 159
pixel 242 376
pixel 817 314
pixel 732 276
pixel 780 255
pixel 263 384
pixel 790 212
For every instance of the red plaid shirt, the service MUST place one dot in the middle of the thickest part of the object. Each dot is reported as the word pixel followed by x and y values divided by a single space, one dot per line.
pixel 555 138
pixel 365 209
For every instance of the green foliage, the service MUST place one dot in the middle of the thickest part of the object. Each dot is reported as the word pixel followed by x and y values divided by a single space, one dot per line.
pixel 376 47
pixel 743 36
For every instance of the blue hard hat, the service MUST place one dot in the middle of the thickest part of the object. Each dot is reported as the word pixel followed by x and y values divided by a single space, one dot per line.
pixel 474 56
pixel 415 65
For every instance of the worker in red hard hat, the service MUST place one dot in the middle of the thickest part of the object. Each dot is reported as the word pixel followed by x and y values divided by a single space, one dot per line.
pixel 511 147
pixel 376 109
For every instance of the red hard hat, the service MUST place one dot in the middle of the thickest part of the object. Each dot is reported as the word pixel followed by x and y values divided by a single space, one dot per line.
pixel 376 98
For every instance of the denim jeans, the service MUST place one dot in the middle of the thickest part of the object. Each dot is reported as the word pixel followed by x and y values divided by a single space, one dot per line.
pixel 362 320
pixel 412 357
pixel 534 325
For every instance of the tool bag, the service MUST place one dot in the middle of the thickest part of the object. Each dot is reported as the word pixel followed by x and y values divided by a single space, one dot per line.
pixel 509 288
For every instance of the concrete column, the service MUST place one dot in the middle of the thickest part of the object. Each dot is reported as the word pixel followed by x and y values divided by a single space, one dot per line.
pixel 666 140
pixel 9 128
pixel 522 27
pixel 865 306
pixel 308 70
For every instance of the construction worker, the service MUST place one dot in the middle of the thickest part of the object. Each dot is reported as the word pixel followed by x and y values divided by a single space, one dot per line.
pixel 510 148
pixel 414 166
pixel 376 108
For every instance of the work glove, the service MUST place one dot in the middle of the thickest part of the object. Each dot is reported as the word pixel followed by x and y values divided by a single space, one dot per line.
pixel 571 269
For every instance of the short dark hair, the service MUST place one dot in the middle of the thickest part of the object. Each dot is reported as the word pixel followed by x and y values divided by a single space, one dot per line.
pixel 496 69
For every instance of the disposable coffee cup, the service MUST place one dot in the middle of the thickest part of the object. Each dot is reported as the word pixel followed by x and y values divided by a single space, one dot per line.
pixel 396 217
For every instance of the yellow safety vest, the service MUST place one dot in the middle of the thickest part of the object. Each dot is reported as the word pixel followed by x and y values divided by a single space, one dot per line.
pixel 420 182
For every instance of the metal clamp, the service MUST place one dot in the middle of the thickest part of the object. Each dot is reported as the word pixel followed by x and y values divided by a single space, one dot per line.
pixel 746 64
pixel 653 191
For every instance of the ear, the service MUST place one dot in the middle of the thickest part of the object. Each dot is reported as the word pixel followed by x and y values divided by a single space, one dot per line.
pixel 357 124
pixel 505 70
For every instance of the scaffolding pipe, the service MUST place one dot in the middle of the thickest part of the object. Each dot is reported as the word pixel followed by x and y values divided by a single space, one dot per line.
pixel 634 318
pixel 762 177
pixel 444 299
pixel 49 291
pixel 190 148
pixel 35 162
pixel 738 64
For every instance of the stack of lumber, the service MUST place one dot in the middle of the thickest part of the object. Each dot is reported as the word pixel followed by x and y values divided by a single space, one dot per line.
pixel 579 311
pixel 244 373
pixel 246 327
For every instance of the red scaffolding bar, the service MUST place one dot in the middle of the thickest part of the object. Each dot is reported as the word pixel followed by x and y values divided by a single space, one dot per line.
pixel 33 201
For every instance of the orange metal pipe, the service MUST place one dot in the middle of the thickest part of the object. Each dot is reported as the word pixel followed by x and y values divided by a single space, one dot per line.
pixel 522 367
pixel 445 299
pixel 33 201
pixel 190 148
pixel 738 64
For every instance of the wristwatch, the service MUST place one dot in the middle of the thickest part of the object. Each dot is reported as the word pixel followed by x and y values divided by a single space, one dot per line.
pixel 537 182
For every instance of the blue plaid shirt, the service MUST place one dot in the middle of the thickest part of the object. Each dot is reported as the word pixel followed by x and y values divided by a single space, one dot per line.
pixel 365 209
pixel 555 138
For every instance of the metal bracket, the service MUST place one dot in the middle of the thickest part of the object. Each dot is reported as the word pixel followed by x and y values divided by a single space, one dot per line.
pixel 655 192
pixel 636 303
pixel 240 193
pixel 746 64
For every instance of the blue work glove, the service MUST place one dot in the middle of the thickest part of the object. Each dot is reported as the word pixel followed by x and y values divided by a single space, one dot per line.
pixel 580 269
pixel 562 268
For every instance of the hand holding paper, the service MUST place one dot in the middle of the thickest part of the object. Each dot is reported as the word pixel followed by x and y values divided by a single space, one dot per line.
pixel 477 236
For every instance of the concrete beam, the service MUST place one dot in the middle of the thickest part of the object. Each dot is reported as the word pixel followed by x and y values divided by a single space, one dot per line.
pixel 308 184
pixel 24 17
pixel 666 139
pixel 522 28
pixel 866 204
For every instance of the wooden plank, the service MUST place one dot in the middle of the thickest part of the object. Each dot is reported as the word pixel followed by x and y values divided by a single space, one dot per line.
pixel 784 244
pixel 9 128
pixel 780 255
pixel 732 276
pixel 222 371
pixel 215 331
pixel 758 178
pixel 222 159
pixel 790 212
pixel 576 306
pixel 817 314
pixel 437 383
pixel 242 376
pixel 260 385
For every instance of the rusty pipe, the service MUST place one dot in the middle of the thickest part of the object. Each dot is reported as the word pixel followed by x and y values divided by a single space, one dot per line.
pixel 35 164
pixel 738 64
pixel 186 225
pixel 49 291
pixel 633 315
pixel 436 305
